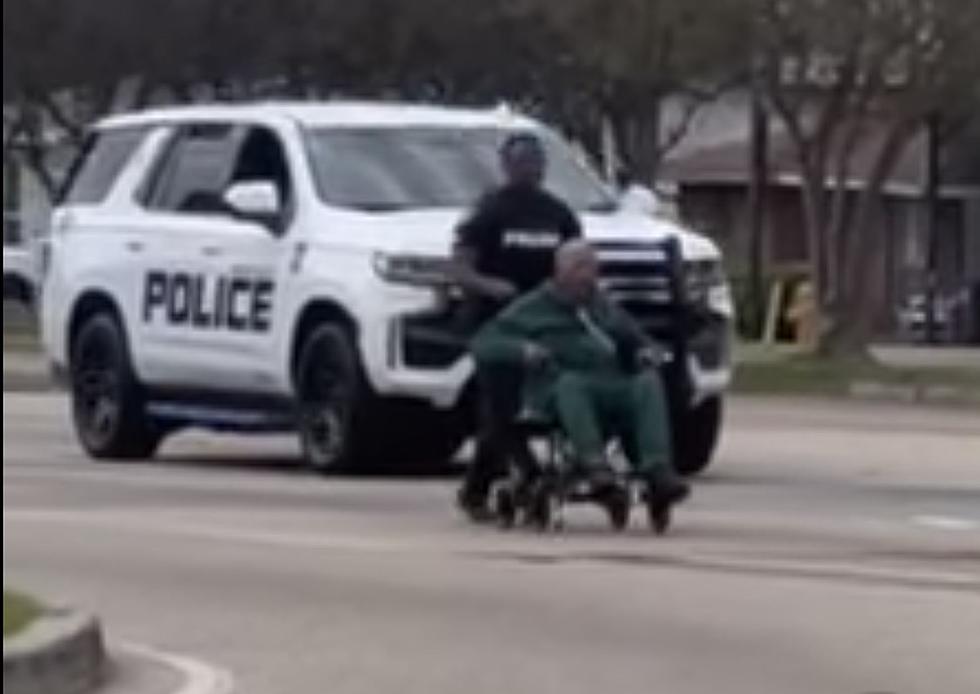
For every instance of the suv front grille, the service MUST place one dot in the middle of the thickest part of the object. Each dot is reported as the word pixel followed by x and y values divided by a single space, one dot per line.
pixel 646 280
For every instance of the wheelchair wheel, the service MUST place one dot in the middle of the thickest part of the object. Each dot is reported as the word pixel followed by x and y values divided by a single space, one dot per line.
pixel 661 518
pixel 618 506
pixel 505 507
pixel 542 514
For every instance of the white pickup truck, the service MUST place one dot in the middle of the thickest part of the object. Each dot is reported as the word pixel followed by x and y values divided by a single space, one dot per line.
pixel 283 266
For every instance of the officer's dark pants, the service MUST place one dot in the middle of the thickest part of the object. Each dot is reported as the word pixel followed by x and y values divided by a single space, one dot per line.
pixel 498 442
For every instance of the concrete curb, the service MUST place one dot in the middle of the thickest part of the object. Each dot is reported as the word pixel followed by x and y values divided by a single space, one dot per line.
pixel 61 653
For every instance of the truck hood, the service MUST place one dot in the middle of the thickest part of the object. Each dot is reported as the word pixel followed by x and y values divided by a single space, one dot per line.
pixel 430 232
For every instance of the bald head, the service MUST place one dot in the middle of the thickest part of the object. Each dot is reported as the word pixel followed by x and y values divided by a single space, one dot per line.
pixel 577 271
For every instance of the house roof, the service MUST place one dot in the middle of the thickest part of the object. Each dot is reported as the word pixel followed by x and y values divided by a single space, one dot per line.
pixel 728 163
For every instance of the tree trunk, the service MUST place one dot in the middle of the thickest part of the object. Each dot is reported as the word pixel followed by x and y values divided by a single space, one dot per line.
pixel 862 238
pixel 637 124
pixel 815 216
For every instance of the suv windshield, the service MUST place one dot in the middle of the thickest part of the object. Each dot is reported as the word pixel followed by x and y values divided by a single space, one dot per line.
pixel 379 169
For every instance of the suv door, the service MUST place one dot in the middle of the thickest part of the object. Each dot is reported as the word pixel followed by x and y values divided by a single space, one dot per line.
pixel 250 258
pixel 209 297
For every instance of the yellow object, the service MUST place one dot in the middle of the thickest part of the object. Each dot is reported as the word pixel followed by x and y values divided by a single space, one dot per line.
pixel 804 314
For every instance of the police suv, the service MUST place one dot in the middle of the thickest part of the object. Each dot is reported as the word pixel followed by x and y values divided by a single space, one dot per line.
pixel 281 267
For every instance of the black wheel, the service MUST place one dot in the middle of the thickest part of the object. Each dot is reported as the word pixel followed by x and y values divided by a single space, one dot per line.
pixel 330 393
pixel 661 518
pixel 107 402
pixel 505 507
pixel 696 437
pixel 619 508
pixel 541 510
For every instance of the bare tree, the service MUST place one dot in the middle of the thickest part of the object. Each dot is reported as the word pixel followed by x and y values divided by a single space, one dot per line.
pixel 630 56
pixel 841 74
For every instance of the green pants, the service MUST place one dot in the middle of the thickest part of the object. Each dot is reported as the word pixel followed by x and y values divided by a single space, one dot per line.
pixel 593 410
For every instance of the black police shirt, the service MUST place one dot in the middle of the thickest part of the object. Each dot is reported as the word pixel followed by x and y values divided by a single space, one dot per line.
pixel 515 233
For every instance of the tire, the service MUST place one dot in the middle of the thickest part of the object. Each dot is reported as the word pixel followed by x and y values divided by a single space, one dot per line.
pixel 331 396
pixel 696 437
pixel 108 407
pixel 345 428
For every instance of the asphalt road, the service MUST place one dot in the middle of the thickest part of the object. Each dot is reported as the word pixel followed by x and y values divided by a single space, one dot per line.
pixel 834 550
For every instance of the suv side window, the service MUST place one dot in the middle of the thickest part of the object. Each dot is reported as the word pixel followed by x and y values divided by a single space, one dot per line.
pixel 205 160
pixel 195 170
pixel 262 158
pixel 104 156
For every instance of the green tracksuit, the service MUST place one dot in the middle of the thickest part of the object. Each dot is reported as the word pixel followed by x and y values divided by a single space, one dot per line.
pixel 593 387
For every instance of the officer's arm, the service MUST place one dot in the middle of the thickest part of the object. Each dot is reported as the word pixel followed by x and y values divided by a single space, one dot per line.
pixel 464 272
pixel 471 239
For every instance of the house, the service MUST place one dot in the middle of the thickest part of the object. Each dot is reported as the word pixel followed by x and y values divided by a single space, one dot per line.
pixel 713 179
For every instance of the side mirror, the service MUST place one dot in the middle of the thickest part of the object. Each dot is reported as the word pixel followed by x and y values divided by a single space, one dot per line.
pixel 257 201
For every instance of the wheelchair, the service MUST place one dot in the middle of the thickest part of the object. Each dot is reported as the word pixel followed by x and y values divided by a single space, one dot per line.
pixel 537 493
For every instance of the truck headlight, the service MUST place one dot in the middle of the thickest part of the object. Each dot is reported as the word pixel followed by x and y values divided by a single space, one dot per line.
pixel 707 285
pixel 414 270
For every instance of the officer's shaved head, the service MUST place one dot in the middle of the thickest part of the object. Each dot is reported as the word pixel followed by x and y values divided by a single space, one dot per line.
pixel 577 271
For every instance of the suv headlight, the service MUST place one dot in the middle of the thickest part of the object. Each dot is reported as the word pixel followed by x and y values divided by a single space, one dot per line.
pixel 707 285
pixel 414 270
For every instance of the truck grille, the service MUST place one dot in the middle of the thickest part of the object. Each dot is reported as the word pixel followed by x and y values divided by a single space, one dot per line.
pixel 645 279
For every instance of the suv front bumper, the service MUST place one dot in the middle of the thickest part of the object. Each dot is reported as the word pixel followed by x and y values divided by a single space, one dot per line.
pixel 427 356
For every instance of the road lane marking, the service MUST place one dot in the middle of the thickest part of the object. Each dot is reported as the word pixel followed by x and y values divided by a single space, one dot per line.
pixel 949 523
pixel 199 677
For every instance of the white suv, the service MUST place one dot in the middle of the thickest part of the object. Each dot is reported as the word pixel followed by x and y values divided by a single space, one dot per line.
pixel 283 267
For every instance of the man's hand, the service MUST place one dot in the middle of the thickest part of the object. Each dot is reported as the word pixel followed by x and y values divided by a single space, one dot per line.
pixel 536 356
pixel 464 273
pixel 502 290
pixel 652 357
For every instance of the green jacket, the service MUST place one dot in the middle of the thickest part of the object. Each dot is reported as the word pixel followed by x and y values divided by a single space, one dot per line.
pixel 606 348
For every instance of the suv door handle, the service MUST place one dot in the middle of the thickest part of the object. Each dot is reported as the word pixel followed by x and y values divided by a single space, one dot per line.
pixel 135 246
pixel 212 251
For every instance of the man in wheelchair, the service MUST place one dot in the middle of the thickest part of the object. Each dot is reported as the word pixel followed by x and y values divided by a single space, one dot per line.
pixel 592 371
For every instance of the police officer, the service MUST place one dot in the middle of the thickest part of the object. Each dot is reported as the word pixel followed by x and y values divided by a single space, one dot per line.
pixel 504 250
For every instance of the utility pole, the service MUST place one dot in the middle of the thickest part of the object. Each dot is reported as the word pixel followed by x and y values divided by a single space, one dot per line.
pixel 933 203
pixel 758 209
